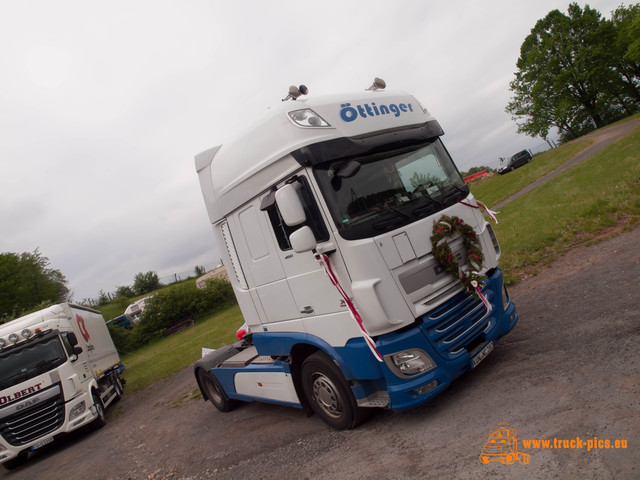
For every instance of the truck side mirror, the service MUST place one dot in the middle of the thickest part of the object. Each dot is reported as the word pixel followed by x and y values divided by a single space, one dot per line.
pixel 76 351
pixel 73 340
pixel 290 205
pixel 303 240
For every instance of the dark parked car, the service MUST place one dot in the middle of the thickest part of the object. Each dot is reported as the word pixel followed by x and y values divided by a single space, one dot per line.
pixel 510 164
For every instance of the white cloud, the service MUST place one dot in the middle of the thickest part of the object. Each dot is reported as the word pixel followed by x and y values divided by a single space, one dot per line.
pixel 104 106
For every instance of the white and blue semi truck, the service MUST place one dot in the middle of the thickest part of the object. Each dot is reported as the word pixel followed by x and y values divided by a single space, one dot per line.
pixel 330 210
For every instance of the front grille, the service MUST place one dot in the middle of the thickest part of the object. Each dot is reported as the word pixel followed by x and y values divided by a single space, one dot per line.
pixel 20 426
pixel 457 323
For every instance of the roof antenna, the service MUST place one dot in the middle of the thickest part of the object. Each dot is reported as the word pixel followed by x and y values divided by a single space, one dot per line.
pixel 378 84
pixel 295 92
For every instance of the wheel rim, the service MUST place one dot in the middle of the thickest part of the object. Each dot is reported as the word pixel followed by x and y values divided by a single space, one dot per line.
pixel 326 396
pixel 99 408
pixel 212 390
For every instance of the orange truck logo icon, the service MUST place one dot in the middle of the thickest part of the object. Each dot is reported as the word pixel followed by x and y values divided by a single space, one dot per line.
pixel 502 446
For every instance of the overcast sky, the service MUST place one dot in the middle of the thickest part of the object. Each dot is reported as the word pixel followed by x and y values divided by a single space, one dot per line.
pixel 103 106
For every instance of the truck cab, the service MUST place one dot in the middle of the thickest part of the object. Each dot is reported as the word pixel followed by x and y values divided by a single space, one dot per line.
pixel 59 370
pixel 325 209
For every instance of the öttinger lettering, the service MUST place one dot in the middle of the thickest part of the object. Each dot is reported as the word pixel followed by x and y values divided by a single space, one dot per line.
pixel 349 113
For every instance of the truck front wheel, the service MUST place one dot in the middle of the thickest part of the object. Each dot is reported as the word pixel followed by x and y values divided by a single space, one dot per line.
pixel 117 386
pixel 329 393
pixel 212 389
pixel 101 419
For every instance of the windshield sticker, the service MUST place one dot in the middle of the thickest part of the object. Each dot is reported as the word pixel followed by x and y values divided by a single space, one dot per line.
pixel 349 113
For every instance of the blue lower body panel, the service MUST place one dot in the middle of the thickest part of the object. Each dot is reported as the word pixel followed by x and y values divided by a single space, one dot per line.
pixel 452 334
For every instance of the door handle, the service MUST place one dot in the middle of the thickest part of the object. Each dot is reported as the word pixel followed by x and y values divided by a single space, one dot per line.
pixel 307 309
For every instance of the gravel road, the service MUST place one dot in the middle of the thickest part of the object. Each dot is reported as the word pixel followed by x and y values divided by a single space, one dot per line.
pixel 569 369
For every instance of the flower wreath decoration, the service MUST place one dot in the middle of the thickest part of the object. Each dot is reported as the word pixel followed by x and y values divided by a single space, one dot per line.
pixel 446 227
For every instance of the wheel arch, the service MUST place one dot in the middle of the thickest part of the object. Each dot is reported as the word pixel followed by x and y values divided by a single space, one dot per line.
pixel 202 390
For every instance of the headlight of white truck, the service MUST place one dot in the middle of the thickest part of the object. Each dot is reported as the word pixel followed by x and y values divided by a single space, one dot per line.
pixel 307 118
pixel 409 363
pixel 77 411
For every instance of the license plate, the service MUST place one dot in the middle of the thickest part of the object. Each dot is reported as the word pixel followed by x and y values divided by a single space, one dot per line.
pixel 41 443
pixel 482 355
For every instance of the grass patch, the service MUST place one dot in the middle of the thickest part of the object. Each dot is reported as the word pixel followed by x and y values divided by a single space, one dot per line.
pixel 496 188
pixel 176 352
pixel 572 208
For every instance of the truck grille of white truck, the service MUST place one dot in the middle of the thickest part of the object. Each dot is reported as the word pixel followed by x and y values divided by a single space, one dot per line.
pixel 20 426
pixel 457 323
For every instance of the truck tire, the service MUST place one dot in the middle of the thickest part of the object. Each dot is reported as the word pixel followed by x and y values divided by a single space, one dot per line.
pixel 214 392
pixel 117 385
pixel 16 462
pixel 329 393
pixel 101 419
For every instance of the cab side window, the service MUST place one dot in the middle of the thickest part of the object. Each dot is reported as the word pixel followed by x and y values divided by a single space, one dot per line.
pixel 67 344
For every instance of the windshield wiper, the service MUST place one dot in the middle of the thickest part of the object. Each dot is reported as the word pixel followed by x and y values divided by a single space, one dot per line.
pixel 429 208
pixel 399 212
pixel 458 190
pixel 388 222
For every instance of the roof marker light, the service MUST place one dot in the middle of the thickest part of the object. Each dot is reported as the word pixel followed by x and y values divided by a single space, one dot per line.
pixel 26 333
pixel 13 338
pixel 2 342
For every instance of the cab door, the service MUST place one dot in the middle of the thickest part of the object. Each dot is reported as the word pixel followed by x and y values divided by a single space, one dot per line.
pixel 313 293
pixel 270 287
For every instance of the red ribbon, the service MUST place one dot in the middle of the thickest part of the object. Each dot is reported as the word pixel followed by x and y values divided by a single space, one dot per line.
pixel 323 260
pixel 483 207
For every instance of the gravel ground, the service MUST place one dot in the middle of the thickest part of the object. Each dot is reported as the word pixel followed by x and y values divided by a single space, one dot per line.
pixel 569 369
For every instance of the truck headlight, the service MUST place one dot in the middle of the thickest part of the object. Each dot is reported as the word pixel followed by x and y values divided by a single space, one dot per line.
pixel 77 411
pixel 409 363
pixel 307 118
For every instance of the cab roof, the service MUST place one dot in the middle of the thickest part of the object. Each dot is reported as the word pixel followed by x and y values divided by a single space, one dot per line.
pixel 232 173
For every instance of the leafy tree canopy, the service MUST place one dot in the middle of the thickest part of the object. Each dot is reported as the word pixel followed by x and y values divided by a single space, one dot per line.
pixel 577 72
pixel 125 291
pixel 145 283
pixel 26 282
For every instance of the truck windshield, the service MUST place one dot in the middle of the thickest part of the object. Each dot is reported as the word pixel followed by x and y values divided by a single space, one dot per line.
pixel 30 360
pixel 390 189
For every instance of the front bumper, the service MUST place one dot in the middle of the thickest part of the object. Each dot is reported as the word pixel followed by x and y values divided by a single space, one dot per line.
pixel 48 411
pixel 452 334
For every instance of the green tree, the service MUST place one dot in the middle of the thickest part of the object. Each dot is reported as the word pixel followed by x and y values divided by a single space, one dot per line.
pixel 569 75
pixel 26 281
pixel 125 291
pixel 199 270
pixel 145 283
pixel 625 48
pixel 103 298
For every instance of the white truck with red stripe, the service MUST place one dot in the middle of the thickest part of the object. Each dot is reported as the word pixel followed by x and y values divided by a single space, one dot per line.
pixel 363 266
pixel 59 370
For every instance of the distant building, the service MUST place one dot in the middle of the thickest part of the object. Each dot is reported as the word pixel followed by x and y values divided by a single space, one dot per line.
pixel 218 272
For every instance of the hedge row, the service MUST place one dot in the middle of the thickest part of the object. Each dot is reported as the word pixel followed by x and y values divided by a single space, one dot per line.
pixel 170 306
